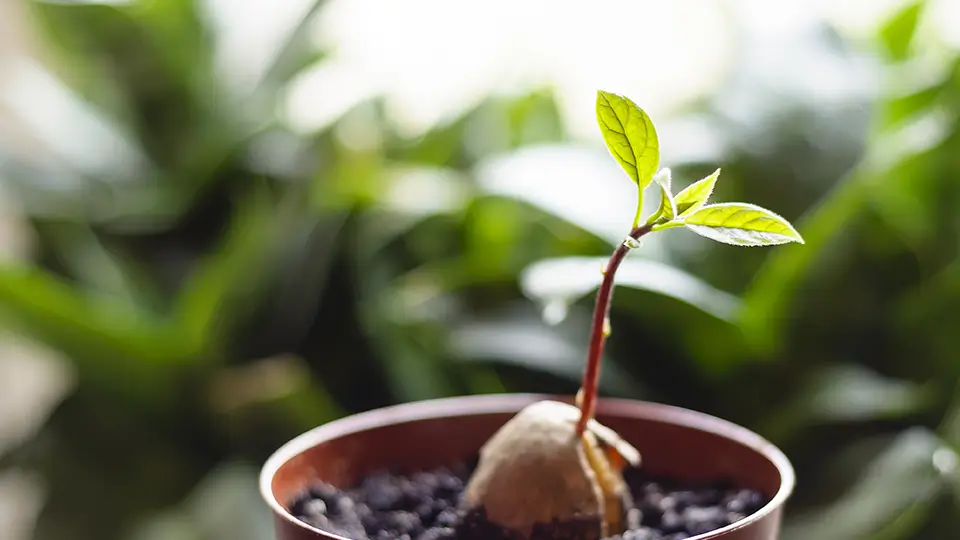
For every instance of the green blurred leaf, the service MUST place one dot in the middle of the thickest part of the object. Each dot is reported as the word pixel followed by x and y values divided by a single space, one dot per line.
pixel 768 298
pixel 521 339
pixel 403 342
pixel 630 136
pixel 125 349
pixel 949 427
pixel 356 178
pixel 153 56
pixel 177 35
pixel 920 97
pixel 579 185
pixel 695 195
pixel 926 317
pixel 567 279
pixel 909 193
pixel 896 34
pixel 225 284
pixel 78 39
pixel 268 400
pixel 293 54
pixel 535 119
pixel 167 526
pixel 483 380
pixel 847 393
pixel 86 139
pixel 902 477
pixel 87 259
pixel 225 504
pixel 741 224
pixel 411 366
pixel 908 523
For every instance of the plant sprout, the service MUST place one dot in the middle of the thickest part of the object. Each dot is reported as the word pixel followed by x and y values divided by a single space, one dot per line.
pixel 552 468
pixel 632 140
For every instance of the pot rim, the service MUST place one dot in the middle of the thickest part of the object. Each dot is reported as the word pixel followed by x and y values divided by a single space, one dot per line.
pixel 510 403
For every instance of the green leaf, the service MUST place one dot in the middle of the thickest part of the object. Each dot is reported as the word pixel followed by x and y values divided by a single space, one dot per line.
pixel 680 308
pixel 568 279
pixel 668 208
pixel 294 400
pixel 840 393
pixel 116 346
pixel 630 136
pixel 775 285
pixel 897 33
pixel 224 286
pixel 520 339
pixel 592 206
pixel 696 195
pixel 949 427
pixel 741 224
pixel 903 475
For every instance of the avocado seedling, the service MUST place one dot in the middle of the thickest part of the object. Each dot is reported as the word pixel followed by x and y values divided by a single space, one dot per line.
pixel 553 471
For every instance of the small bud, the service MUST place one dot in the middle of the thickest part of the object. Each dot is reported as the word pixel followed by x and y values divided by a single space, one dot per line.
pixel 607 327
pixel 663 177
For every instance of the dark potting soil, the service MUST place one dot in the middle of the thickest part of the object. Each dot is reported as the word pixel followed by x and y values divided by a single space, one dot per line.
pixel 423 506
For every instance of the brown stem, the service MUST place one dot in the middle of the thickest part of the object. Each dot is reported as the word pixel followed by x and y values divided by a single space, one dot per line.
pixel 591 374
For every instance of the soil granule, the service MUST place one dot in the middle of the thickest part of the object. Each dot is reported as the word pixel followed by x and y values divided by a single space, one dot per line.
pixel 423 506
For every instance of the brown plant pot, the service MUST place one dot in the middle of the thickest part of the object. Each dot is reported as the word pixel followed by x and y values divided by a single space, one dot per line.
pixel 673 441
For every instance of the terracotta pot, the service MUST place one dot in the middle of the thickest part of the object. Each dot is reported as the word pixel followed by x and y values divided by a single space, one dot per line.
pixel 405 438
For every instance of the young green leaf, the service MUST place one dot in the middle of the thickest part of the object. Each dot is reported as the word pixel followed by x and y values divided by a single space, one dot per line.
pixel 898 33
pixel 668 208
pixel 741 224
pixel 630 136
pixel 695 195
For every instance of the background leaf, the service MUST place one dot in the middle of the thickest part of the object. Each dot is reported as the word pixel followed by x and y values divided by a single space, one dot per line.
pixel 898 32
pixel 115 346
pixel 902 476
pixel 570 278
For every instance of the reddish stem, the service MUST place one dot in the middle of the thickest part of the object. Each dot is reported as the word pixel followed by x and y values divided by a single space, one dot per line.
pixel 591 374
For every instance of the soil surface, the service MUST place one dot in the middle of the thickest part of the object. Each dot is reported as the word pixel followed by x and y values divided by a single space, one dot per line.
pixel 423 506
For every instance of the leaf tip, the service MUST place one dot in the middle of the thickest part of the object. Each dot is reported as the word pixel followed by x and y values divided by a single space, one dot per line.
pixel 795 236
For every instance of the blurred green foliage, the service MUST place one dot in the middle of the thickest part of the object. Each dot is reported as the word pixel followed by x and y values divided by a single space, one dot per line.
pixel 241 283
